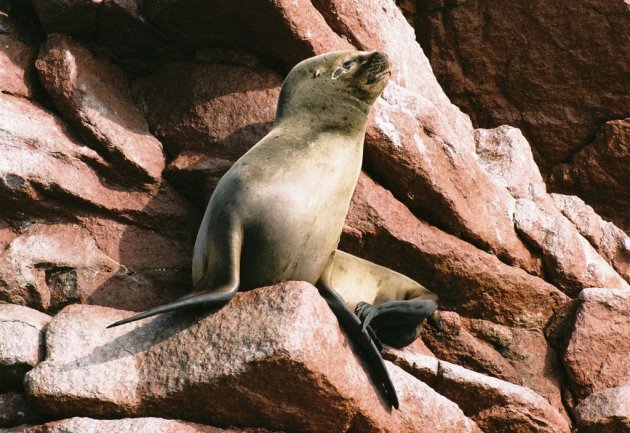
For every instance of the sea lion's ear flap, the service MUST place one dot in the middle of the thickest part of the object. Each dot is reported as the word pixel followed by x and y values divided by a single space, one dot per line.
pixel 336 73
pixel 317 73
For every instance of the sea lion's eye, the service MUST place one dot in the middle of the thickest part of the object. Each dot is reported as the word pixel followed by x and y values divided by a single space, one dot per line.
pixel 348 64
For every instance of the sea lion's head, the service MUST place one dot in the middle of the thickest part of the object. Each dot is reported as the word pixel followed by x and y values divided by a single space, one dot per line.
pixel 334 83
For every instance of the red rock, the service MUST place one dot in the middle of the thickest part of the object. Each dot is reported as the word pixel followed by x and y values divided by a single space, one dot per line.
pixel 196 175
pixel 436 175
pixel 507 157
pixel 154 268
pixel 610 241
pixel 570 261
pixel 15 410
pixel 220 110
pixel 468 280
pixel 558 90
pixel 16 69
pixel 135 425
pixel 458 346
pixel 42 169
pixel 496 405
pixel 607 411
pixel 596 357
pixel 76 17
pixel 95 97
pixel 518 355
pixel 51 266
pixel 274 358
pixel 21 348
pixel 100 262
pixel 601 166
pixel 283 31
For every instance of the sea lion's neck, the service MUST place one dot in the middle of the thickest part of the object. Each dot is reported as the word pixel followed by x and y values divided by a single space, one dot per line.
pixel 346 116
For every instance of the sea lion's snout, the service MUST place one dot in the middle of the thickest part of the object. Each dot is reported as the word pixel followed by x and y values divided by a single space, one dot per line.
pixel 377 67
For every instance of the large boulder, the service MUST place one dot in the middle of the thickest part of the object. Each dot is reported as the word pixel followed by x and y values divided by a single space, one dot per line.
pixel 530 65
pixel 496 405
pixel 21 344
pixel 606 411
pixel 273 357
pixel 95 97
pixel 135 425
pixel 596 357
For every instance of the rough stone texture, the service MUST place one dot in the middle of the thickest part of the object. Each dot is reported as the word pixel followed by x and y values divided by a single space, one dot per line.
pixel 95 97
pixel 283 32
pixel 570 261
pixel 518 355
pixel 135 425
pixel 21 343
pixel 226 367
pixel 596 357
pixel 505 407
pixel 607 411
pixel 51 266
pixel 507 157
pixel 154 268
pixel 612 243
pixel 496 405
pixel 15 410
pixel 16 73
pixel 99 261
pixel 531 65
pixel 601 166
pixel 466 279
pixel 207 116
pixel 218 110
pixel 42 169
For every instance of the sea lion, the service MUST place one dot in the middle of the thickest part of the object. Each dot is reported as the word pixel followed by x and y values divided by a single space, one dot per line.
pixel 278 212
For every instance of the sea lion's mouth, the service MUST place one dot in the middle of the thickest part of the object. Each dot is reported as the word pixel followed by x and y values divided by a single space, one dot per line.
pixel 377 68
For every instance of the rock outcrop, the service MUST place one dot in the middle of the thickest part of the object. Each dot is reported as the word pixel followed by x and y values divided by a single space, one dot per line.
pixel 532 66
pixel 279 344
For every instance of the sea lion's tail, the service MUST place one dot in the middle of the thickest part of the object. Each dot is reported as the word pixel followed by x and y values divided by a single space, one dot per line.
pixel 216 298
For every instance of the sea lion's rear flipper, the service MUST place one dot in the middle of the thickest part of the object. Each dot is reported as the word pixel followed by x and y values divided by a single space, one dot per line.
pixel 362 339
pixel 397 323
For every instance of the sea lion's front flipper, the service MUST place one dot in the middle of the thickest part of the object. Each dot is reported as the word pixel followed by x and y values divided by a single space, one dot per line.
pixel 397 323
pixel 209 293
pixel 360 337
pixel 209 299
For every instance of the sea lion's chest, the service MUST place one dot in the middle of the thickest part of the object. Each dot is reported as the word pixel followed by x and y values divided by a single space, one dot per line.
pixel 294 206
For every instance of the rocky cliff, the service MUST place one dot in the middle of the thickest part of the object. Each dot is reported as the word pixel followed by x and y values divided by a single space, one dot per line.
pixel 117 118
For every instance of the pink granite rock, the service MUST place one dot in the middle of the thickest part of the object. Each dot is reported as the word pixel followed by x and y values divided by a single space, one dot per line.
pixel 21 344
pixel 606 411
pixel 273 357
pixel 596 357
pixel 612 243
pixel 135 425
pixel 496 405
pixel 571 262
pixel 94 96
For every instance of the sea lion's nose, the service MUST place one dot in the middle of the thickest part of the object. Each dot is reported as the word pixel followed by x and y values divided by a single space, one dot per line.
pixel 380 57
